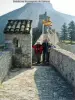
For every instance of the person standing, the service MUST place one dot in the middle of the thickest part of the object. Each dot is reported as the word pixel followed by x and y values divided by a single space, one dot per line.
pixel 46 47
pixel 38 51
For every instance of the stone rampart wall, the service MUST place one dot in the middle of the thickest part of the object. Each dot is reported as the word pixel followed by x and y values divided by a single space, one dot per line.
pixel 5 64
pixel 64 62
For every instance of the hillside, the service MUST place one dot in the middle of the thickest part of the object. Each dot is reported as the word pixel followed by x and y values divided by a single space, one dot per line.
pixel 32 11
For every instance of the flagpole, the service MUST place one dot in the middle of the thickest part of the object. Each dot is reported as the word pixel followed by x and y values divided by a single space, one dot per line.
pixel 42 32
pixel 43 29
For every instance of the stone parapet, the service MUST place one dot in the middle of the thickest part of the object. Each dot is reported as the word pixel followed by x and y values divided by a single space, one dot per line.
pixel 5 64
pixel 64 62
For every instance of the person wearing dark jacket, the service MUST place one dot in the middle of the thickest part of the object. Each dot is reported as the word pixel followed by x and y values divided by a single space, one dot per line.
pixel 46 47
pixel 38 51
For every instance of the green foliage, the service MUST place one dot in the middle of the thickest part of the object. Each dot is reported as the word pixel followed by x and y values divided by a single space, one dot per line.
pixel 68 32
pixel 36 34
pixel 64 31
pixel 68 42
pixel 71 31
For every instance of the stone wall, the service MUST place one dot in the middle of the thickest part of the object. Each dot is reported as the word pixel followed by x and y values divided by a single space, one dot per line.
pixel 64 62
pixel 68 47
pixel 5 64
pixel 25 42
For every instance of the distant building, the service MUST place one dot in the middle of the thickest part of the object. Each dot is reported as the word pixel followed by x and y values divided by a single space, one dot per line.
pixel 18 33
pixel 41 18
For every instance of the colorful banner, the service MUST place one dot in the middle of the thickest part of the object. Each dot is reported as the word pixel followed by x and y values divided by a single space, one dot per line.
pixel 47 23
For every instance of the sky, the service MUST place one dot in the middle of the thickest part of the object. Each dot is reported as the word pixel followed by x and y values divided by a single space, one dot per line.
pixel 64 6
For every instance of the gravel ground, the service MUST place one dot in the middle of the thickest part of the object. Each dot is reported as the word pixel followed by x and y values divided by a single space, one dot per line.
pixel 37 83
pixel 19 85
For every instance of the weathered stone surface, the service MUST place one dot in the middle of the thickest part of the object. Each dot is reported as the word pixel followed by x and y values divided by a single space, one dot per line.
pixel 20 60
pixel 39 83
pixel 64 62
pixel 5 64
pixel 25 42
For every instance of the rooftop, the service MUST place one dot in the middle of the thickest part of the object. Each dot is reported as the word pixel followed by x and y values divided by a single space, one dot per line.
pixel 18 26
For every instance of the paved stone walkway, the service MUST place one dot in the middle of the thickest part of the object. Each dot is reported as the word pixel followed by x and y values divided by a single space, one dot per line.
pixel 38 83
pixel 51 86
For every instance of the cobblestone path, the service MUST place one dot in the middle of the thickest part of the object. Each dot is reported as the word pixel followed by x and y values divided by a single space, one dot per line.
pixel 38 83
pixel 51 85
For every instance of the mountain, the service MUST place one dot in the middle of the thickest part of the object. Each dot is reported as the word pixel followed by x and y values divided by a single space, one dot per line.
pixel 32 11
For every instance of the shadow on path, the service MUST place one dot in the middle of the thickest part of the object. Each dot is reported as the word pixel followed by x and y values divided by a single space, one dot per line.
pixel 51 85
pixel 13 73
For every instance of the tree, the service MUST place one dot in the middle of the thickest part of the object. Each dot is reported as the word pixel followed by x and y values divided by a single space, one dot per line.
pixel 71 31
pixel 64 32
